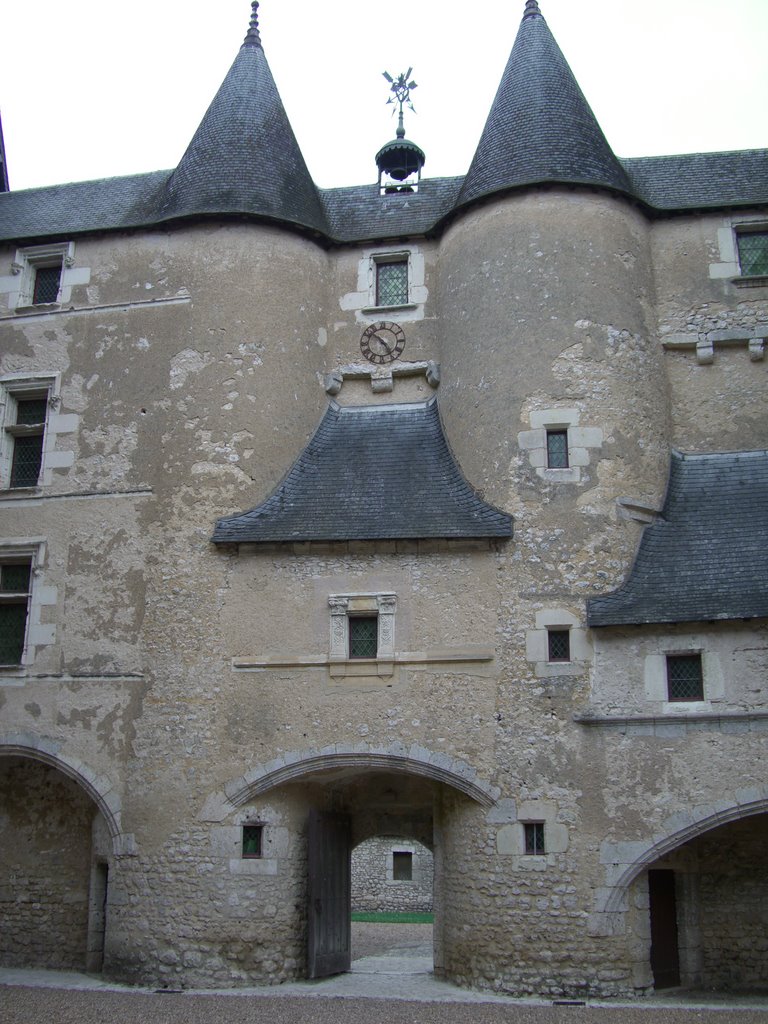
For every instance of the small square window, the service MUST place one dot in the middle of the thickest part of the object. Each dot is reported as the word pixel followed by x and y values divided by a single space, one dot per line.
pixel 47 284
pixel 15 589
pixel 363 636
pixel 27 413
pixel 392 283
pixel 402 866
pixel 253 841
pixel 685 679
pixel 753 252
pixel 534 838
pixel 558 645
pixel 557 449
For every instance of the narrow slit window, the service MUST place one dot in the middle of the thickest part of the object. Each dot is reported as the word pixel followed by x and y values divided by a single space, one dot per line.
pixel 363 636
pixel 47 284
pixel 559 644
pixel 685 679
pixel 557 449
pixel 753 253
pixel 534 838
pixel 15 588
pixel 392 283
pixel 253 841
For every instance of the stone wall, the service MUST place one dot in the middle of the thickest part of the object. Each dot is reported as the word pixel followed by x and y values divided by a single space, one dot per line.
pixel 374 887
pixel 45 859
pixel 734 906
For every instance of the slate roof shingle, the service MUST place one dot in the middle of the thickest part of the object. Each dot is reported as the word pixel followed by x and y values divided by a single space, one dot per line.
pixel 377 472
pixel 244 161
pixel 707 556
pixel 540 127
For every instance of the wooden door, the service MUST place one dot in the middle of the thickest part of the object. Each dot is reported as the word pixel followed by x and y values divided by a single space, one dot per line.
pixel 665 958
pixel 329 909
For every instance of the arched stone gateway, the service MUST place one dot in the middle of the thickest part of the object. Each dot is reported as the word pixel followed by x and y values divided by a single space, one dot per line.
pixel 60 831
pixel 625 861
pixel 689 900
pixel 398 759
pixel 98 787
pixel 319 804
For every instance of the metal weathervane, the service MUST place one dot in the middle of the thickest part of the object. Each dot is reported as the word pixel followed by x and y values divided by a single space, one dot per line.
pixel 401 90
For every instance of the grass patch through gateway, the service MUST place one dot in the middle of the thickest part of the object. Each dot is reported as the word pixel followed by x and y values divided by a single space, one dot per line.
pixel 393 917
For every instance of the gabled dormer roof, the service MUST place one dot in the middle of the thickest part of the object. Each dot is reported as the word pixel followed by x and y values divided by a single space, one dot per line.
pixel 374 472
pixel 244 157
pixel 540 128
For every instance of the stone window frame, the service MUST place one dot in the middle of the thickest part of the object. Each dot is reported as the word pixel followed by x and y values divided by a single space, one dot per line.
pixel 381 605
pixel 363 301
pixel 655 682
pixel 29 260
pixel 511 819
pixel 581 441
pixel 17 385
pixel 410 850
pixel 36 633
pixel 537 643
pixel 729 265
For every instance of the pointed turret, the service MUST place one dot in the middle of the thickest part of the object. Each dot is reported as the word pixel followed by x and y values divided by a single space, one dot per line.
pixel 540 128
pixel 244 157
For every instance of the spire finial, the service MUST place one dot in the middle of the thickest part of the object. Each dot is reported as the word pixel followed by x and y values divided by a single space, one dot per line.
pixel 252 37
pixel 531 9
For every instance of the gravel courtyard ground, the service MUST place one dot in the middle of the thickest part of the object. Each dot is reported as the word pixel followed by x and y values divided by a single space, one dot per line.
pixel 394 981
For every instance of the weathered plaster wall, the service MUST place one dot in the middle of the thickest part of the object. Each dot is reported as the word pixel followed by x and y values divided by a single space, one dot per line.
pixel 193 363
pixel 717 405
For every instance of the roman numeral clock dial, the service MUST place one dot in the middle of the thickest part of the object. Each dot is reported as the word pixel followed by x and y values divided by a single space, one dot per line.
pixel 382 342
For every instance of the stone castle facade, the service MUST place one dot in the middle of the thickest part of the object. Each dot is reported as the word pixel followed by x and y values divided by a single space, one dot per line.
pixel 433 509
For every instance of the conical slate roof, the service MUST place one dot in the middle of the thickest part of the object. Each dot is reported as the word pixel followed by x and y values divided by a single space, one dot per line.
pixel 540 128
pixel 374 472
pixel 244 157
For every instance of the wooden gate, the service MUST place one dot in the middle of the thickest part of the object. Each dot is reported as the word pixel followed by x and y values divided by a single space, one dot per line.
pixel 328 918
pixel 665 957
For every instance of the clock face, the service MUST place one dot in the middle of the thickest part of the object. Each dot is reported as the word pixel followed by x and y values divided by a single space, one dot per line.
pixel 382 342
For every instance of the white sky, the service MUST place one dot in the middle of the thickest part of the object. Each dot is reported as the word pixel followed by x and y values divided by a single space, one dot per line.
pixel 94 88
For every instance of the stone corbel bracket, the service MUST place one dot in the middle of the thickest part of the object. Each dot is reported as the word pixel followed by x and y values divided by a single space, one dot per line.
pixel 704 344
pixel 381 377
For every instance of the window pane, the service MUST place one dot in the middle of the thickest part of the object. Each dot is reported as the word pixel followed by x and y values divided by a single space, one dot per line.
pixel 392 284
pixel 363 637
pixel 559 644
pixel 557 449
pixel 31 410
pixel 46 284
pixel 534 837
pixel 13 624
pixel 27 459
pixel 14 577
pixel 684 677
pixel 753 253
pixel 252 836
